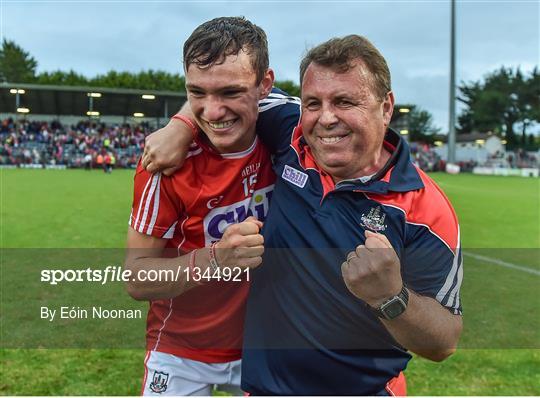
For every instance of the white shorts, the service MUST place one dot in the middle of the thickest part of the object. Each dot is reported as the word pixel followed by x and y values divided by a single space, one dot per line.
pixel 167 374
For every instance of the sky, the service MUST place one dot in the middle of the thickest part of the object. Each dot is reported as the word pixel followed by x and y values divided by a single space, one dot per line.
pixel 93 37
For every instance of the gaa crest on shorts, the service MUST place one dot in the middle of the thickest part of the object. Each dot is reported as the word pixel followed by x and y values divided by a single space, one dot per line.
pixel 374 220
pixel 159 382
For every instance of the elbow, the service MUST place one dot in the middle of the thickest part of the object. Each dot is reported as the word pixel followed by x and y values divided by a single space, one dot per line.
pixel 135 291
pixel 440 355
pixel 134 287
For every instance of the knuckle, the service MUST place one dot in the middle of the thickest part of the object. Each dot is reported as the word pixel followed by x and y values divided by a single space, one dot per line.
pixel 255 262
pixel 238 241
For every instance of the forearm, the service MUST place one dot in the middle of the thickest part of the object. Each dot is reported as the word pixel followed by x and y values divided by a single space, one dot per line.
pixel 170 277
pixel 183 129
pixel 426 328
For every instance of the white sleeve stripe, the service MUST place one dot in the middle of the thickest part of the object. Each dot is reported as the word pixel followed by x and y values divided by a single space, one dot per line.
pixel 264 103
pixel 272 105
pixel 457 288
pixel 278 95
pixel 288 99
pixel 156 207
pixel 141 202
pixel 451 276
pixel 148 201
pixel 170 232
pixel 453 299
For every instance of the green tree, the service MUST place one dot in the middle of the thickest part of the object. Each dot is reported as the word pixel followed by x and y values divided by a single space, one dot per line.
pixel 505 101
pixel 421 125
pixel 144 80
pixel 289 87
pixel 16 65
pixel 61 78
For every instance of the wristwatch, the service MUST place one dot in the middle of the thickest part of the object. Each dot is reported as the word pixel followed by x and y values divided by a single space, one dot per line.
pixel 393 307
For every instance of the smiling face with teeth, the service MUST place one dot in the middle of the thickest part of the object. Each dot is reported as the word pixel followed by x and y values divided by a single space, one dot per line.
pixel 343 120
pixel 224 100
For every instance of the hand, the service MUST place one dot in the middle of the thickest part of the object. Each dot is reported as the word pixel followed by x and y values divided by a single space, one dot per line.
pixel 372 272
pixel 241 245
pixel 166 149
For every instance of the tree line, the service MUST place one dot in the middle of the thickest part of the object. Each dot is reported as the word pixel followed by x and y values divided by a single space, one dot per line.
pixel 506 102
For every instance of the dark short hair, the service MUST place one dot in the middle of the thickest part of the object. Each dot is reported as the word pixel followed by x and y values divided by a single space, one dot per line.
pixel 218 38
pixel 340 53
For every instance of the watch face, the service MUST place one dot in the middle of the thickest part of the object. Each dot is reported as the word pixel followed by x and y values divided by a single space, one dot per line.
pixel 393 308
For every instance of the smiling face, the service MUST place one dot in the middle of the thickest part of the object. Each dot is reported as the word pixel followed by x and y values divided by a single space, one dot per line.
pixel 224 100
pixel 343 120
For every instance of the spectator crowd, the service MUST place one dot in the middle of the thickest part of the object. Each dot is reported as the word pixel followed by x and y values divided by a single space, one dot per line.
pixel 87 144
pixel 93 144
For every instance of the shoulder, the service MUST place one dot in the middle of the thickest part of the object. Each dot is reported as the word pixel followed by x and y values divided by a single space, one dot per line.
pixel 432 209
pixel 427 208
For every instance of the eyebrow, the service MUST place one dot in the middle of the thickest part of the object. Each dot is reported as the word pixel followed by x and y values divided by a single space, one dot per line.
pixel 234 87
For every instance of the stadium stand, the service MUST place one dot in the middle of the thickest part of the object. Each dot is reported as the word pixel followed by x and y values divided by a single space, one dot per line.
pixel 51 143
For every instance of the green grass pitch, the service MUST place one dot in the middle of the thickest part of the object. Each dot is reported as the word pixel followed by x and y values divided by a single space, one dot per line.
pixel 500 345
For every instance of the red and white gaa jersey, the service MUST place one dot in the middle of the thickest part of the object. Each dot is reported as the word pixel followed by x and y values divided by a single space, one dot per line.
pixel 192 208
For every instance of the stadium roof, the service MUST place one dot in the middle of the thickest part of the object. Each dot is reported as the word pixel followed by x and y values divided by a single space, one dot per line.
pixel 75 100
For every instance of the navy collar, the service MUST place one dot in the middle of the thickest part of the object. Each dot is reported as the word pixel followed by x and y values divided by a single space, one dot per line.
pixel 398 174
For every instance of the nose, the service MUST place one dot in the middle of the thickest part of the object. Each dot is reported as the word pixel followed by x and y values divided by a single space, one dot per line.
pixel 214 109
pixel 327 118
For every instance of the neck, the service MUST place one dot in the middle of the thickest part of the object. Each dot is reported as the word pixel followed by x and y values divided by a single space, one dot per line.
pixel 244 144
pixel 376 163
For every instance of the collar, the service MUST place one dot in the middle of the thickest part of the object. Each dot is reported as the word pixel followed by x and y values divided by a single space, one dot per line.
pixel 202 141
pixel 398 175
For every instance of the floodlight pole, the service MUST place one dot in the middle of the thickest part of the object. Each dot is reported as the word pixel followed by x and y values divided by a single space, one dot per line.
pixel 452 113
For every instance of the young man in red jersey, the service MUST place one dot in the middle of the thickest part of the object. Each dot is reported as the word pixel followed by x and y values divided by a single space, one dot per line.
pixel 218 200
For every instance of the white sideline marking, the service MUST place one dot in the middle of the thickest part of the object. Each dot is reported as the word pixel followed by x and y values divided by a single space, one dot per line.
pixel 502 263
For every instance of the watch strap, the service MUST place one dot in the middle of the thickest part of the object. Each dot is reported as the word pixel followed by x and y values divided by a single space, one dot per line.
pixel 402 299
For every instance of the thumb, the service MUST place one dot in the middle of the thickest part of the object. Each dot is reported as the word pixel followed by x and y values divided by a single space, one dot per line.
pixel 376 241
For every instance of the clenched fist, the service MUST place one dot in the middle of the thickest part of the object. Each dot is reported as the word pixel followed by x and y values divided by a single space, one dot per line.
pixel 372 271
pixel 241 245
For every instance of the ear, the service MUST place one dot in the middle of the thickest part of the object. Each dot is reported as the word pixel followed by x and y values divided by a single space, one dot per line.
pixel 266 84
pixel 388 108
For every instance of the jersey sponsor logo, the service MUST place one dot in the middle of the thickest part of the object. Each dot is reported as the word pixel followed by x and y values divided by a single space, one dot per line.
pixel 159 382
pixel 218 219
pixel 294 176
pixel 374 220
pixel 214 202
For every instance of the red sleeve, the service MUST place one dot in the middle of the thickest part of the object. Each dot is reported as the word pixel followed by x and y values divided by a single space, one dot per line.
pixel 156 207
